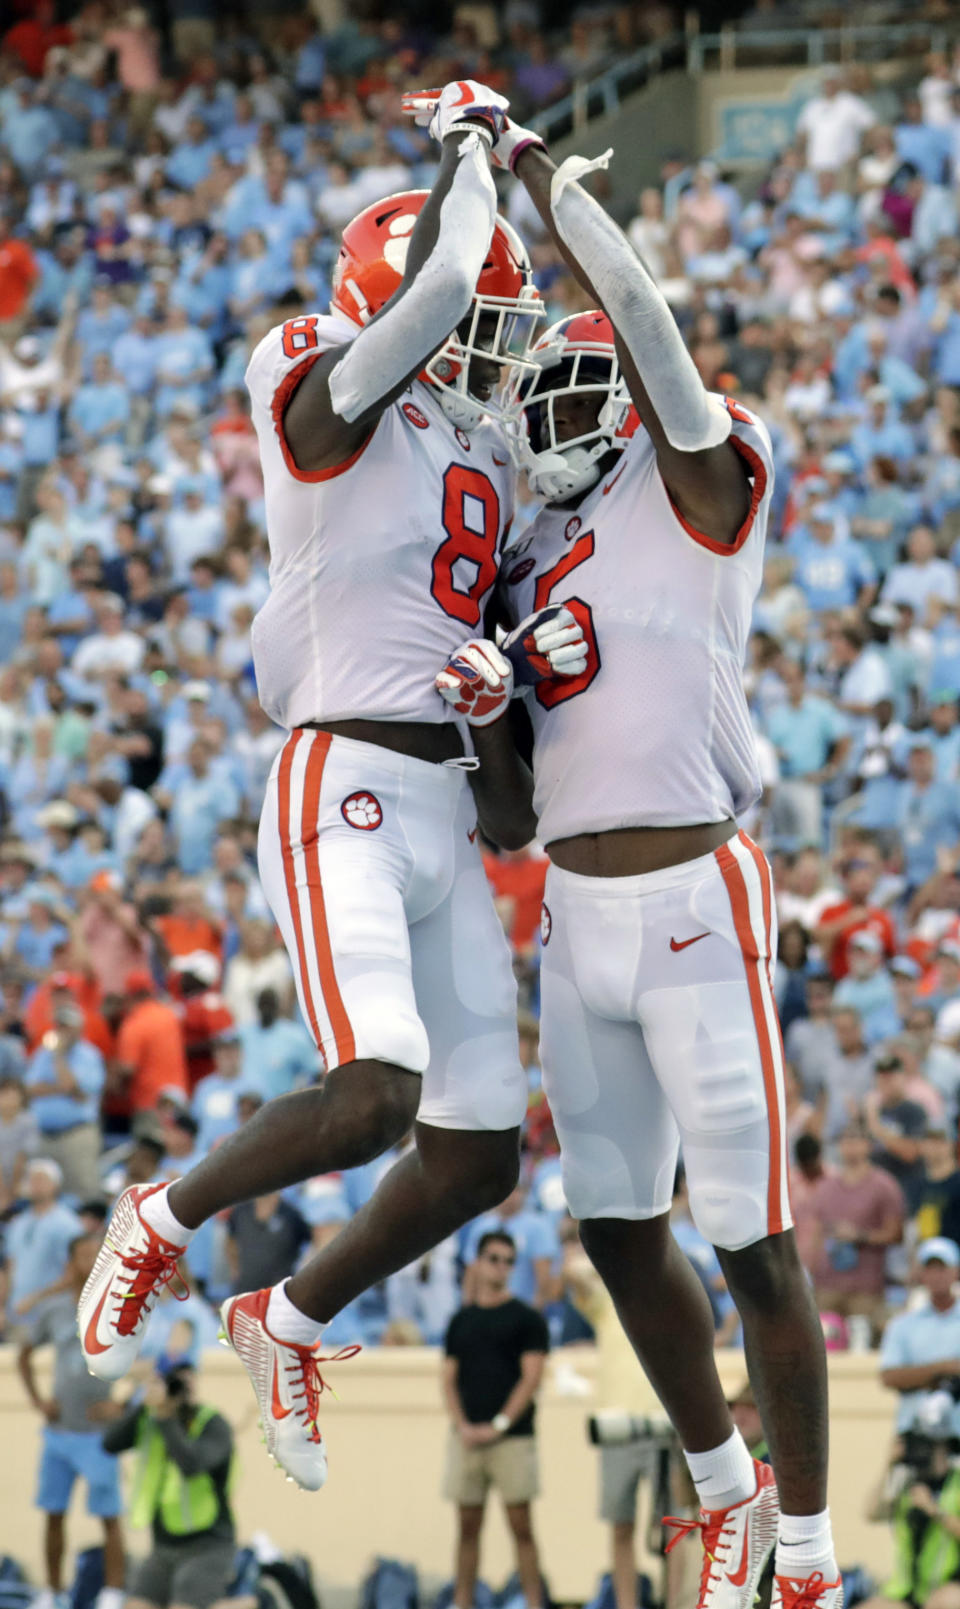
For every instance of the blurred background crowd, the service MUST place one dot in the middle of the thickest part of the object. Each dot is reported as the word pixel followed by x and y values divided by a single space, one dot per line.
pixel 172 182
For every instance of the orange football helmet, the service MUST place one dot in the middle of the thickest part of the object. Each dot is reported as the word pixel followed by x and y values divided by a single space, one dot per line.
pixel 576 355
pixel 371 264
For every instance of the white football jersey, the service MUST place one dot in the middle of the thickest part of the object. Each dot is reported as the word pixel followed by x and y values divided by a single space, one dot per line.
pixel 656 731
pixel 380 567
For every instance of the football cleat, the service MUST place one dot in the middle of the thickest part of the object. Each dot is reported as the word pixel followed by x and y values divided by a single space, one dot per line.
pixel 737 1542
pixel 806 1592
pixel 133 1265
pixel 288 1384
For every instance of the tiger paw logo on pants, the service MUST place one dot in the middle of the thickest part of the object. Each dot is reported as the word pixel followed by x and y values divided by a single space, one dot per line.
pixel 362 810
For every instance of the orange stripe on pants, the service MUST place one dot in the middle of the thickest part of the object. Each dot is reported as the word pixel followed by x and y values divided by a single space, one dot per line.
pixel 740 906
pixel 339 1021
pixel 289 875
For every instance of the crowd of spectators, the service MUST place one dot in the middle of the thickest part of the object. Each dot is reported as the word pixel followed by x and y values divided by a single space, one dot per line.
pixel 165 198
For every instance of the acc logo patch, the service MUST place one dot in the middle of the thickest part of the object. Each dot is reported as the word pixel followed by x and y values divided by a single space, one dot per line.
pixel 362 810
pixel 572 527
pixel 520 572
pixel 463 439
pixel 415 416
pixel 546 924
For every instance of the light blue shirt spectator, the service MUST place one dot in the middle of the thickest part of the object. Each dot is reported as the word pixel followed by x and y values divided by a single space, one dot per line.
pixel 192 157
pixel 99 327
pixel 37 1247
pixel 921 1335
pixel 215 1108
pixel 925 146
pixel 832 574
pixel 29 134
pixel 804 734
pixel 134 356
pixel 881 436
pixel 534 1236
pixel 57 1113
pixel 202 800
pixel 100 410
pixel 946 352
pixel 874 998
pixel 184 360
pixel 278 1056
pixel 928 816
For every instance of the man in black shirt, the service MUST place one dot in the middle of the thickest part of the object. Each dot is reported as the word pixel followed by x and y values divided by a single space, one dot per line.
pixel 495 1351
pixel 938 1191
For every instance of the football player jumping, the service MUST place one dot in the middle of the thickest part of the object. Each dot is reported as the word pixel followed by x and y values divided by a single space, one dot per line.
pixel 659 1025
pixel 389 494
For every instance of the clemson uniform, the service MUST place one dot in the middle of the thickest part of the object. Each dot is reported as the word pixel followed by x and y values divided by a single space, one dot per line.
pixel 658 1015
pixel 378 569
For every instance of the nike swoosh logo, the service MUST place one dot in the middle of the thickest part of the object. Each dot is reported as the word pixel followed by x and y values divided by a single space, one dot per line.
pixel 684 943
pixel 499 461
pixel 466 94
pixel 277 1408
pixel 612 483
pixel 90 1342
pixel 738 1579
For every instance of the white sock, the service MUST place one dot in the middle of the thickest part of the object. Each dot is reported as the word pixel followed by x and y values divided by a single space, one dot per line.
pixel 157 1213
pixel 805 1545
pixel 287 1322
pixel 110 1598
pixel 723 1476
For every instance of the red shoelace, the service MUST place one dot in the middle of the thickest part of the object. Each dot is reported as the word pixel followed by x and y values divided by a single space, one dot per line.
pixel 715 1538
pixel 152 1269
pixel 306 1372
pixel 802 1594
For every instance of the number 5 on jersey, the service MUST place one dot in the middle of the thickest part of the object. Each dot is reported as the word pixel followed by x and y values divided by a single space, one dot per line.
pixel 557 692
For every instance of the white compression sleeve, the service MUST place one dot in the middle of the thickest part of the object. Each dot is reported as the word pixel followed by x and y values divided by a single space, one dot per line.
pixel 419 320
pixel 691 418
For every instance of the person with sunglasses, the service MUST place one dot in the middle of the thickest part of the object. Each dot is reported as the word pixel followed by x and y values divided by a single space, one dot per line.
pixel 496 1347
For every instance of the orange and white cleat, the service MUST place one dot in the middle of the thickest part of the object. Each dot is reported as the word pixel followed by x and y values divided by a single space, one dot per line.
pixel 133 1265
pixel 806 1592
pixel 288 1384
pixel 737 1542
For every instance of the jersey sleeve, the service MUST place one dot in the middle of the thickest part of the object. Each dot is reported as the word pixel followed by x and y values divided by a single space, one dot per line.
pixel 287 353
pixel 750 438
pixel 283 359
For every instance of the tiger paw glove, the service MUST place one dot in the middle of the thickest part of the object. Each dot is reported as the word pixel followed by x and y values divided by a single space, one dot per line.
pixel 464 104
pixel 478 681
pixel 548 643
pixel 511 142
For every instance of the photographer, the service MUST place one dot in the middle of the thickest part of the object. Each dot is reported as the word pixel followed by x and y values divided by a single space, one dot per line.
pixel 181 1491
pixel 920 1494
pixel 920 1359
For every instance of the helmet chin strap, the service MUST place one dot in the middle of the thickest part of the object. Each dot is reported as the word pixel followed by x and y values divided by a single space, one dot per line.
pixel 567 473
pixel 461 410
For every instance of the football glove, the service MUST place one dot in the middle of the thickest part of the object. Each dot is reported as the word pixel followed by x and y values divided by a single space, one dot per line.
pixel 548 643
pixel 478 681
pixel 511 141
pixel 464 104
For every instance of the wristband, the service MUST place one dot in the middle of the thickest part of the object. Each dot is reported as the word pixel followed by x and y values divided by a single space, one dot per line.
pixel 501 1423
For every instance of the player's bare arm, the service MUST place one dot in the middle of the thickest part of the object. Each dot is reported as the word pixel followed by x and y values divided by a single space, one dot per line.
pixel 345 391
pixel 702 471
pixel 502 788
